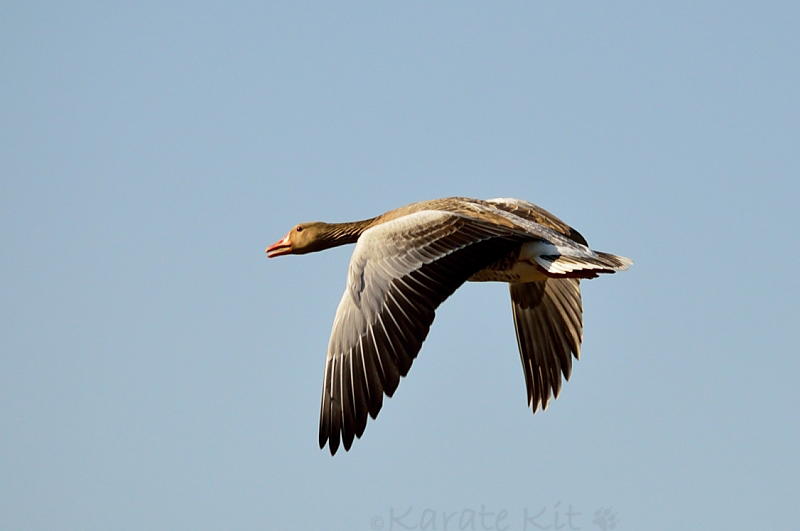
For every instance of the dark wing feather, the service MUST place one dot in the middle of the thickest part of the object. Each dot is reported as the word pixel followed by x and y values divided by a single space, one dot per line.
pixel 548 320
pixel 400 272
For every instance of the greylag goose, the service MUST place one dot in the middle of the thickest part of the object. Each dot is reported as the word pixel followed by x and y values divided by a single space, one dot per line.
pixel 407 261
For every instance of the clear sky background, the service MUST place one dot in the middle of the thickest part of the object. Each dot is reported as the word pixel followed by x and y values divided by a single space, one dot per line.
pixel 158 372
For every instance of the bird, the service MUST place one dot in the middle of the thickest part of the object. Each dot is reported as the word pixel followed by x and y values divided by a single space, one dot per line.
pixel 407 261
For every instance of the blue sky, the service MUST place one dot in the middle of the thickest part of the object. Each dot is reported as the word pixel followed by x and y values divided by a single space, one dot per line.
pixel 157 371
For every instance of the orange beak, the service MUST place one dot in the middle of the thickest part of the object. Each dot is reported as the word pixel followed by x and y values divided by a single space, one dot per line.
pixel 281 247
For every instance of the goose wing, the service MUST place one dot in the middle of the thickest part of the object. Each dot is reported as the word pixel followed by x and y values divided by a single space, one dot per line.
pixel 549 325
pixel 400 271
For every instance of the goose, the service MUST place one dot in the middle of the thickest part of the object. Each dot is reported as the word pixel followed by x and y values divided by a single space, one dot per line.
pixel 407 261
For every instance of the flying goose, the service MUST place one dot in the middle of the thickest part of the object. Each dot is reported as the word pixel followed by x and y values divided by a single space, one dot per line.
pixel 407 261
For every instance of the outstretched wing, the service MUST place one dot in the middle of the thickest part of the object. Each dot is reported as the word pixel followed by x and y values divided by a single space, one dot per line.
pixel 400 272
pixel 549 324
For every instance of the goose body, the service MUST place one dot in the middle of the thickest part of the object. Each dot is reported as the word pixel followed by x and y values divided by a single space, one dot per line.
pixel 408 261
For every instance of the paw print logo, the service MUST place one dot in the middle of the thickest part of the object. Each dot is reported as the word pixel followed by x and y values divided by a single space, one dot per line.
pixel 605 519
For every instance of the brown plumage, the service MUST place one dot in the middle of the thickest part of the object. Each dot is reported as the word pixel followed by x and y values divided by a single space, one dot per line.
pixel 409 260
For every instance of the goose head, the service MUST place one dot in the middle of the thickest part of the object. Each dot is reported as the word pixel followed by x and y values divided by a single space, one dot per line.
pixel 303 238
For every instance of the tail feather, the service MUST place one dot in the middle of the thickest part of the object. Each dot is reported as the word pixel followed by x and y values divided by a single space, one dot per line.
pixel 585 266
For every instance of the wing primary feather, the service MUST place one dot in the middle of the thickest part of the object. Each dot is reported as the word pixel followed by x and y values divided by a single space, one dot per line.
pixel 336 410
pixel 382 369
pixel 569 340
pixel 561 350
pixel 360 391
pixel 555 352
pixel 519 326
pixel 409 292
pixel 398 332
pixel 402 336
pixel 348 404
pixel 542 360
pixel 325 409
pixel 384 352
pixel 560 333
pixel 571 313
pixel 551 321
pixel 374 381
pixel 525 336
pixel 417 329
